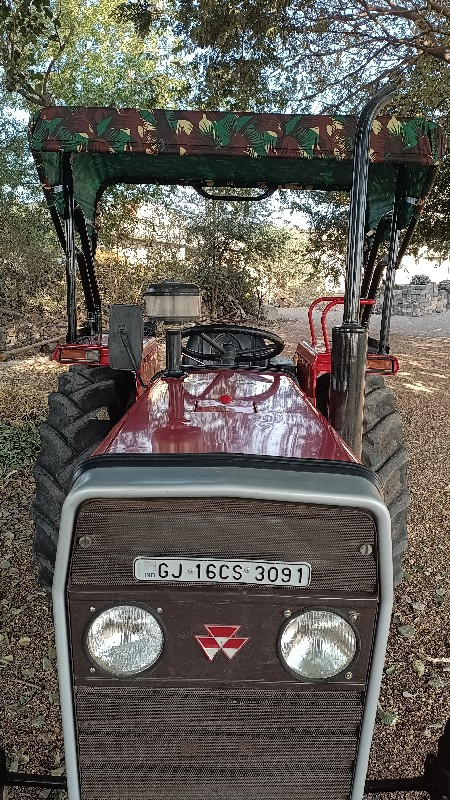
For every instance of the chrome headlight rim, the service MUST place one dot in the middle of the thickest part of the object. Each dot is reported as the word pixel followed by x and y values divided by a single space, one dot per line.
pixel 98 669
pixel 339 676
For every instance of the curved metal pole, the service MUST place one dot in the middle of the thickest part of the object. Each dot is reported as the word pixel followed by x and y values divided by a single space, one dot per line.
pixel 372 257
pixel 69 232
pixel 349 353
pixel 391 267
pixel 358 202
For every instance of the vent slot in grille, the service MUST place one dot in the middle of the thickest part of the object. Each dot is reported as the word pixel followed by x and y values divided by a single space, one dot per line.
pixel 328 538
pixel 195 744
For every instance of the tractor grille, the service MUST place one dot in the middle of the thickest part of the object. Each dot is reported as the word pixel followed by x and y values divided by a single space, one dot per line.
pixel 196 744
pixel 328 538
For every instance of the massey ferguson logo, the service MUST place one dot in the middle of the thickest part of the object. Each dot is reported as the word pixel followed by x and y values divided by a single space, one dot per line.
pixel 221 637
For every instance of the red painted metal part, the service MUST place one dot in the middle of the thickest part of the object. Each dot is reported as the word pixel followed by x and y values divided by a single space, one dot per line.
pixel 312 363
pixel 311 310
pixel 93 343
pixel 268 415
pixel 331 301
pixel 338 301
pixel 151 360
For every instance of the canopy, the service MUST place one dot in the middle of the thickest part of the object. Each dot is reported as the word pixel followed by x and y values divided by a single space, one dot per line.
pixel 216 148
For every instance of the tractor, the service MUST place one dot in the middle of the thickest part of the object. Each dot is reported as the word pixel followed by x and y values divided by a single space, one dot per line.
pixel 222 526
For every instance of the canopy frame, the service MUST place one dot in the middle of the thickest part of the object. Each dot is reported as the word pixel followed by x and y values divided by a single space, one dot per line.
pixel 248 150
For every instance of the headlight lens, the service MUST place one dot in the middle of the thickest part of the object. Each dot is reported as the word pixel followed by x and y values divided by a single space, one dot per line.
pixel 317 644
pixel 125 640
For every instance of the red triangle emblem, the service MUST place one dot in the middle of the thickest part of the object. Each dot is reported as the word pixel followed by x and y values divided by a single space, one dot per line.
pixel 221 637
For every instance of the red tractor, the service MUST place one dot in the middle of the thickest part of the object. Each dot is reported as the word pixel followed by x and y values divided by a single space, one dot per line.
pixel 222 532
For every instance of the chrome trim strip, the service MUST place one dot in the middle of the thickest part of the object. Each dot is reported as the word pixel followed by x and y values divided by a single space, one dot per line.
pixel 260 484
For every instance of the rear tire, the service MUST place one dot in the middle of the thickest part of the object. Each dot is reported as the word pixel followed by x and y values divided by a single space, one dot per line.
pixel 87 405
pixel 384 451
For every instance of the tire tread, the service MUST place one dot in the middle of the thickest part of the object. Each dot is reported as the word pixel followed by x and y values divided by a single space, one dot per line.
pixel 385 453
pixel 70 434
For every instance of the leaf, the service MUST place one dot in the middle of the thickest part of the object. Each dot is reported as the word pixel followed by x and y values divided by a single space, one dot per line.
pixel 24 640
pixel 24 699
pixel 38 722
pixel 418 606
pixel 102 126
pixel 388 718
pixel 28 672
pixel 119 139
pixel 390 670
pixel 51 652
pixel 46 664
pixel 436 682
pixel 419 667
pixel 16 611
pixel 440 592
pixel 223 129
pixel 407 694
pixel 149 117
pixel 407 631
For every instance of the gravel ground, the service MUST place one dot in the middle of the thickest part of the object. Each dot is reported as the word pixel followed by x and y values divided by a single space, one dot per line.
pixel 415 697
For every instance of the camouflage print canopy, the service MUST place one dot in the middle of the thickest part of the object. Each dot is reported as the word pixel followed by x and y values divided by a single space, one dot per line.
pixel 110 145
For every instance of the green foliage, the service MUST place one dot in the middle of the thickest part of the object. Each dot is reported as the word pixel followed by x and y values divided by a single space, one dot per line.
pixel 105 62
pixel 31 263
pixel 253 54
pixel 238 255
pixel 241 51
pixel 83 56
pixel 19 445
pixel 24 24
pixel 233 250
pixel 80 53
pixel 31 271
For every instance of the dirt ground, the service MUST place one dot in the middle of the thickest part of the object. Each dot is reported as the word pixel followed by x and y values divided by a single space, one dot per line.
pixel 415 697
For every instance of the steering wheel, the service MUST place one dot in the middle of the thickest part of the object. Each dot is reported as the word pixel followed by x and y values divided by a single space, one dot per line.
pixel 226 346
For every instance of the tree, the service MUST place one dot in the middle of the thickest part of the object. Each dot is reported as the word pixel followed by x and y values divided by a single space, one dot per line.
pixel 252 52
pixel 239 255
pixel 82 54
pixel 285 54
pixel 24 25
pixel 31 270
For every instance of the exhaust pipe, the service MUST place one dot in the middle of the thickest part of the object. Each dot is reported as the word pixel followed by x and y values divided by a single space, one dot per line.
pixel 349 350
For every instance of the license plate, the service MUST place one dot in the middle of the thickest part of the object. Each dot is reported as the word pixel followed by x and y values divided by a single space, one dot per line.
pixel 206 570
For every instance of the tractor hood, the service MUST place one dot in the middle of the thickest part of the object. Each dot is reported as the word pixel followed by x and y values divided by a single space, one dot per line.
pixel 227 411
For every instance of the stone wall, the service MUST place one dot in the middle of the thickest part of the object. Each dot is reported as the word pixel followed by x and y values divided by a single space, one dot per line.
pixel 417 300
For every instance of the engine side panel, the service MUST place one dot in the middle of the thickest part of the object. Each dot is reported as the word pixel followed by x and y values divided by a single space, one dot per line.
pixel 229 411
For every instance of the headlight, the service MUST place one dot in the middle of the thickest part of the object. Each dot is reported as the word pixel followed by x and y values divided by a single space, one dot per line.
pixel 125 640
pixel 317 644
